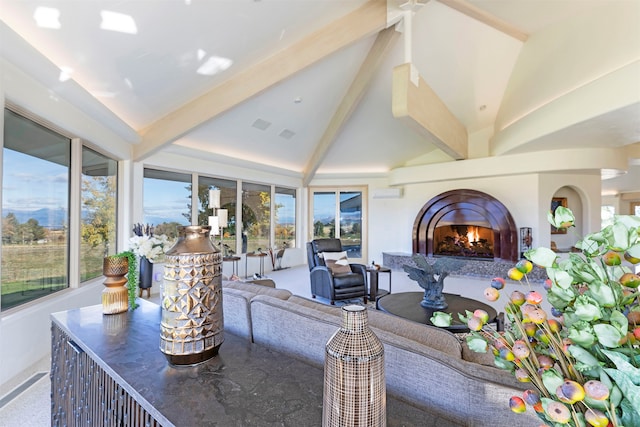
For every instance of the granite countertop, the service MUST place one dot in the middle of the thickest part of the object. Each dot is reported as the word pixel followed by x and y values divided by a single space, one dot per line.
pixel 245 385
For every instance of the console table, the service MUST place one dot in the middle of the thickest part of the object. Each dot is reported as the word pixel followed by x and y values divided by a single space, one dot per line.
pixel 407 305
pixel 108 370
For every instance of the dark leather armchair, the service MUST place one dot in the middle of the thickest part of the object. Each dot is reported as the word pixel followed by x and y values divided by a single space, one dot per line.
pixel 334 287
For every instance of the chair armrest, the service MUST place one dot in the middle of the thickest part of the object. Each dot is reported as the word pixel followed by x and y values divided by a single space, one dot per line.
pixel 359 268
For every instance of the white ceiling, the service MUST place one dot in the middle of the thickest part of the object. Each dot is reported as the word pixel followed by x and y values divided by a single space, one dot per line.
pixel 143 77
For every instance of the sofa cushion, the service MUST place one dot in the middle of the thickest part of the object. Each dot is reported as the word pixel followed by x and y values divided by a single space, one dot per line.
pixel 431 336
pixel 258 289
pixel 439 339
pixel 236 312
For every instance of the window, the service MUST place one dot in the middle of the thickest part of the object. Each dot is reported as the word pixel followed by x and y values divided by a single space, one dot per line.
pixel 228 196
pixel 167 201
pixel 344 206
pixel 98 223
pixel 35 211
pixel 256 217
pixel 285 218
pixel 635 208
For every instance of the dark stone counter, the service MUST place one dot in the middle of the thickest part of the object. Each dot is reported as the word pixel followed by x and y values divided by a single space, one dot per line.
pixel 245 385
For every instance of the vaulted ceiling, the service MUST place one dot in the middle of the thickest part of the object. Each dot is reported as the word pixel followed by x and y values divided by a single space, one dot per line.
pixel 307 87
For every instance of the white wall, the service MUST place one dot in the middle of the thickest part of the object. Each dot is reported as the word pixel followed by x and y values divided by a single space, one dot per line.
pixel 25 333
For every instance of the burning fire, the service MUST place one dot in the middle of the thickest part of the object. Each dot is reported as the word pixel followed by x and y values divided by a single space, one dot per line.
pixel 473 234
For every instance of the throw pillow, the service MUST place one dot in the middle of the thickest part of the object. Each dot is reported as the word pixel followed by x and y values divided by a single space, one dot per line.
pixel 333 255
pixel 340 266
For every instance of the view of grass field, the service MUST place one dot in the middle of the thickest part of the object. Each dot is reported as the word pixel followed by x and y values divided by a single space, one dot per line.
pixel 30 271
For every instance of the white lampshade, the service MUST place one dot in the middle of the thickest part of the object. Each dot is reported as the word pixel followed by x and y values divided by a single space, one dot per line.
pixel 222 217
pixel 214 199
pixel 214 224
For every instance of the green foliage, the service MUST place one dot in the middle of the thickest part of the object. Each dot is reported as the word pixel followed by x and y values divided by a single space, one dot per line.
pixel 594 295
pixel 132 277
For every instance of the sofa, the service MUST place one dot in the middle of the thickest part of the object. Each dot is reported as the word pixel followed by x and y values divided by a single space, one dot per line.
pixel 425 366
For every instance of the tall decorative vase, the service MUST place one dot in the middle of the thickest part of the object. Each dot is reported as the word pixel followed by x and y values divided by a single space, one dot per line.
pixel 146 275
pixel 115 298
pixel 191 328
pixel 354 382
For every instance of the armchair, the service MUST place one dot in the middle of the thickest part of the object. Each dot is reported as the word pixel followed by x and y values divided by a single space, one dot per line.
pixel 334 286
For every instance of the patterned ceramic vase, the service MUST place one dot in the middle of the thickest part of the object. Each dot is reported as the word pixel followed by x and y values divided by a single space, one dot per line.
pixel 354 382
pixel 115 298
pixel 191 329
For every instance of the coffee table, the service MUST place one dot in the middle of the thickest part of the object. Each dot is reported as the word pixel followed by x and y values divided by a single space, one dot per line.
pixel 407 305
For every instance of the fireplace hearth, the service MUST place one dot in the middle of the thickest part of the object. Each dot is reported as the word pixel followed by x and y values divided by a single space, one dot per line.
pixel 468 224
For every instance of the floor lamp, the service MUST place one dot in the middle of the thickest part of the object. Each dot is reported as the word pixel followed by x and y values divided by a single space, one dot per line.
pixel 218 221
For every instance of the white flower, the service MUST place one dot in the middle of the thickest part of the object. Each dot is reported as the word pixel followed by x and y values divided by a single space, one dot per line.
pixel 150 247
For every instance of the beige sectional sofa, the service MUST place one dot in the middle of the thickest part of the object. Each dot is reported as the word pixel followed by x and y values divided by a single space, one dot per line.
pixel 426 366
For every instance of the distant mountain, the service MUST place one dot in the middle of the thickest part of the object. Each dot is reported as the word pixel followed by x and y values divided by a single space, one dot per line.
pixel 48 218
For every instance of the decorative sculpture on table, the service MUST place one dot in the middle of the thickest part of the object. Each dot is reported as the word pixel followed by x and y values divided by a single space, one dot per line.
pixel 431 277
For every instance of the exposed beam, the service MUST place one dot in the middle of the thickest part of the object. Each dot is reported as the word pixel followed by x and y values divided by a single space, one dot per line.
pixel 420 107
pixel 478 14
pixel 363 22
pixel 350 100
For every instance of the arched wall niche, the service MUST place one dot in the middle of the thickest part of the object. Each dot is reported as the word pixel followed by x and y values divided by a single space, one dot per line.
pixel 505 233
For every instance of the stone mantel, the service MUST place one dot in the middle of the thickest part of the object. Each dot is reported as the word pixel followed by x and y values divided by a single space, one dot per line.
pixel 471 267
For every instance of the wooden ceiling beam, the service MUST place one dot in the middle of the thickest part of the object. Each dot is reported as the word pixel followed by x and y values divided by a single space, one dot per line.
pixel 350 100
pixel 467 8
pixel 363 22
pixel 420 107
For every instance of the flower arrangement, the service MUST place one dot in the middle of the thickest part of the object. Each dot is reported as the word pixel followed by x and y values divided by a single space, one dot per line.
pixel 145 244
pixel 584 365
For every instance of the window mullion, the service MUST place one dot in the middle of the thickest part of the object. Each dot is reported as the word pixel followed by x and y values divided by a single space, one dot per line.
pixel 75 211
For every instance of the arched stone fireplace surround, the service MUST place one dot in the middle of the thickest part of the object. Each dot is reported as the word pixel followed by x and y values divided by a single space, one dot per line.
pixel 505 246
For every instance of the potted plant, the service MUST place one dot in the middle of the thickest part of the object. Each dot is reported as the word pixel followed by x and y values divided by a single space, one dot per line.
pixel 582 360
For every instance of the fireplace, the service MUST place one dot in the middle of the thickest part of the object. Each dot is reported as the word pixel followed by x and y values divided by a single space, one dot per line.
pixel 468 224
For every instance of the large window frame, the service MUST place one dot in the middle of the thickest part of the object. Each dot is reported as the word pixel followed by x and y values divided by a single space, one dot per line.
pixel 73 245
pixel 338 192
pixel 232 198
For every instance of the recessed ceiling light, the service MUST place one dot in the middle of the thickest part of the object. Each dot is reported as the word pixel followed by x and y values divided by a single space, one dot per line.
pixel 297 100
pixel 261 124
pixel 65 74
pixel 47 17
pixel 119 22
pixel 214 65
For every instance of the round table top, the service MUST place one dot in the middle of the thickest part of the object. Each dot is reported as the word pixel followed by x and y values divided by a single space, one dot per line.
pixel 256 254
pixel 407 305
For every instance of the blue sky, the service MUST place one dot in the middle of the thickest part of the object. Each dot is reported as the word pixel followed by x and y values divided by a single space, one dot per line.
pixel 29 183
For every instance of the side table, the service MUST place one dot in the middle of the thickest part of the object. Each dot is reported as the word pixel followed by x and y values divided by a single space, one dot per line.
pixel 260 256
pixel 234 260
pixel 374 292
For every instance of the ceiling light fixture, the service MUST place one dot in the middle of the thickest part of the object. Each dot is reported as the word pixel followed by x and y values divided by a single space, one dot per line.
pixel 65 74
pixel 214 65
pixel 47 17
pixel 119 22
pixel 297 100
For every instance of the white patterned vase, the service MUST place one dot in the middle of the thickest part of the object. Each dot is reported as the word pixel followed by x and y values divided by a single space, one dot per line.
pixel 354 382
pixel 191 328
